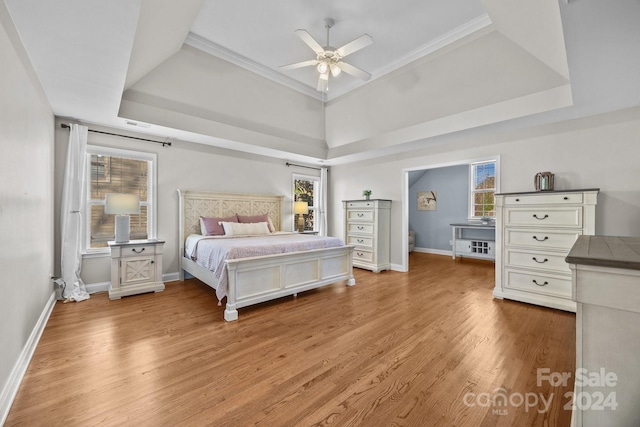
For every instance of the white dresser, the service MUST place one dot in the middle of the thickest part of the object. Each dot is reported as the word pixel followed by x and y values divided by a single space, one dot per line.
pixel 534 233
pixel 136 267
pixel 368 227
pixel 606 286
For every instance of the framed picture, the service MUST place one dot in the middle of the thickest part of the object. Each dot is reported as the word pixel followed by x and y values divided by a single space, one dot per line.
pixel 426 200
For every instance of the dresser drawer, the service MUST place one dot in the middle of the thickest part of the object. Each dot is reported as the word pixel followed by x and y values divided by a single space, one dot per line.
pixel 360 242
pixel 544 217
pixel 544 198
pixel 357 228
pixel 541 238
pixel 546 284
pixel 537 260
pixel 360 204
pixel 362 255
pixel 360 215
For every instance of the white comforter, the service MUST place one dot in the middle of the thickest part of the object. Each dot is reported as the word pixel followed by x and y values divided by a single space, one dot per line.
pixel 211 252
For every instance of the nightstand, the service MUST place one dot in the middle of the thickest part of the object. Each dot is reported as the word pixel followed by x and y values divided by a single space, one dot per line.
pixel 136 267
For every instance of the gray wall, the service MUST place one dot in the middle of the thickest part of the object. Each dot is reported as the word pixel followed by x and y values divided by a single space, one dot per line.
pixel 182 166
pixel 597 152
pixel 26 204
pixel 451 185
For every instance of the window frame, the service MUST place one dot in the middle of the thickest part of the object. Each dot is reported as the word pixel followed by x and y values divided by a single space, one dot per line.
pixel 316 197
pixel 150 203
pixel 473 191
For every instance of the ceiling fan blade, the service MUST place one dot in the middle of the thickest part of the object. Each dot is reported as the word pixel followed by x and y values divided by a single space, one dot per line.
pixel 354 71
pixel 299 65
pixel 310 41
pixel 355 45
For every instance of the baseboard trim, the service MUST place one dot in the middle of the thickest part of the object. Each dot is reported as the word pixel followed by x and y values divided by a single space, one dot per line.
pixel 434 251
pixel 20 368
pixel 92 288
pixel 171 277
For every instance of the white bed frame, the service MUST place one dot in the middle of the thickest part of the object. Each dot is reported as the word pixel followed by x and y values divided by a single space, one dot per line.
pixel 263 278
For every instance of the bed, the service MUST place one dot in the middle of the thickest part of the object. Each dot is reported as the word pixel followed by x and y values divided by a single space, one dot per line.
pixel 255 279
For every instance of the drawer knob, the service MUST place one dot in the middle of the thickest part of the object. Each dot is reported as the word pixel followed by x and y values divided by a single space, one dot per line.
pixel 537 217
pixel 517 200
pixel 360 215
pixel 540 262
pixel 360 241
pixel 541 240
pixel 566 198
pixel 359 253
pixel 360 228
pixel 137 251
pixel 540 284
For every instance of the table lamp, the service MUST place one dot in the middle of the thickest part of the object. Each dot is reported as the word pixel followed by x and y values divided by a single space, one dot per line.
pixel 122 205
pixel 301 208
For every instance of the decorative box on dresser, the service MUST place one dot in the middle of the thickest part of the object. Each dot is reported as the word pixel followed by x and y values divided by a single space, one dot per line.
pixel 368 227
pixel 534 233
pixel 136 267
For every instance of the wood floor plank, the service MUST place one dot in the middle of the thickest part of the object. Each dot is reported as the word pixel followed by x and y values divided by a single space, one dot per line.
pixel 402 349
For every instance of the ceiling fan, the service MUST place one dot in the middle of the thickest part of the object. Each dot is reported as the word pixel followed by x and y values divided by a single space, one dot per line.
pixel 329 59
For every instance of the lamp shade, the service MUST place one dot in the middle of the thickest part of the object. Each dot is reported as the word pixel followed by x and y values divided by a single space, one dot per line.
pixel 301 208
pixel 122 204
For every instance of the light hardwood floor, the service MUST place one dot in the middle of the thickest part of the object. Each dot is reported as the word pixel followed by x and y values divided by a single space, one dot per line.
pixel 397 349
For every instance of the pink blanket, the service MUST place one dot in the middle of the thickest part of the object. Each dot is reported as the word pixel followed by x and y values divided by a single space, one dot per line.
pixel 211 252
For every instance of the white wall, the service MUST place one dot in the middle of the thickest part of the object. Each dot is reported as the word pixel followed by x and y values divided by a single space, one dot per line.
pixel 184 166
pixel 26 205
pixel 599 152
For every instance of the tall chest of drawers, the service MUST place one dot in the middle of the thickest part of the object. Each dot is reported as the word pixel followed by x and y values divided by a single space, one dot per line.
pixel 534 233
pixel 368 227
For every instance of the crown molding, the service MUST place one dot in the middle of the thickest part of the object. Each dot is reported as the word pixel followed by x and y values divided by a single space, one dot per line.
pixel 225 54
pixel 448 38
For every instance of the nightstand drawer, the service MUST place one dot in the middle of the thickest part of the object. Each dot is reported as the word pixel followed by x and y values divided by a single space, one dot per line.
pixel 546 199
pixel 545 284
pixel 544 217
pixel 137 250
pixel 542 238
pixel 360 242
pixel 360 215
pixel 356 228
pixel 537 260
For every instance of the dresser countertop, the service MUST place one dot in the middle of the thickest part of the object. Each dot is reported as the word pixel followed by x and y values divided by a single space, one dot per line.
pixel 606 251
pixel 548 192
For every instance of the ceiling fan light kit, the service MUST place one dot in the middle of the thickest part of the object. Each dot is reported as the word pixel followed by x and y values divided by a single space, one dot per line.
pixel 329 59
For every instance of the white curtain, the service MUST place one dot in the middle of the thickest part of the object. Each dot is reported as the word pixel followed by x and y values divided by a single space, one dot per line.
pixel 72 214
pixel 322 208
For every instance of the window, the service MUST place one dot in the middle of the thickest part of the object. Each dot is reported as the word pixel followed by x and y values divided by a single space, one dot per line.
pixel 111 170
pixel 306 189
pixel 482 189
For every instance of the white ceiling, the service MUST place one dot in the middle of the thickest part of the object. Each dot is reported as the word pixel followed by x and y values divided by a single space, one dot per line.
pixel 112 62
pixel 263 31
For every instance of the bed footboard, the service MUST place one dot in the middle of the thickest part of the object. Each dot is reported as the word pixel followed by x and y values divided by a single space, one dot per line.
pixel 259 279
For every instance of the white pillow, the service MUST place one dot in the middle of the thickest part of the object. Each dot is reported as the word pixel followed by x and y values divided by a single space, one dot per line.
pixel 245 229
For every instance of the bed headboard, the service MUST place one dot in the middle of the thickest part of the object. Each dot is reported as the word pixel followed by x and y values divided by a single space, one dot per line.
pixel 194 204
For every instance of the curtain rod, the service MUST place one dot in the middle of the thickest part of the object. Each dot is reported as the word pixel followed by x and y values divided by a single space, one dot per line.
pixel 66 126
pixel 303 166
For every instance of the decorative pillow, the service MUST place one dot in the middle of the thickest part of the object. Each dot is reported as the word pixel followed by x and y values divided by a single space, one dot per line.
pixel 246 229
pixel 210 226
pixel 246 219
